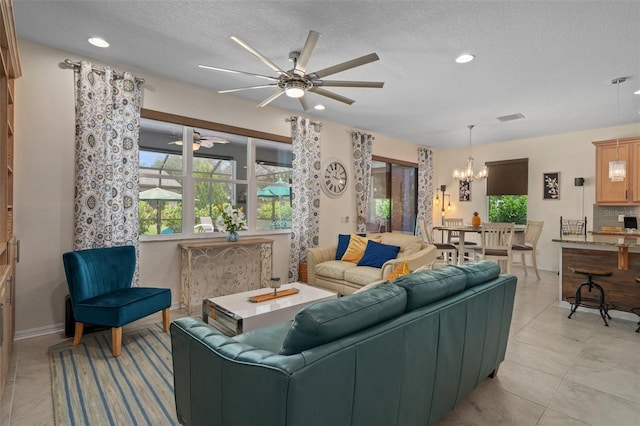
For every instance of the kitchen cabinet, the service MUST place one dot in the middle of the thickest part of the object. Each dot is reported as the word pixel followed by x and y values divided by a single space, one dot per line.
pixel 624 192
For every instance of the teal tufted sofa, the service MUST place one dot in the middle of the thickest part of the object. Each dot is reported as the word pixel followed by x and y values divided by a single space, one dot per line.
pixel 403 353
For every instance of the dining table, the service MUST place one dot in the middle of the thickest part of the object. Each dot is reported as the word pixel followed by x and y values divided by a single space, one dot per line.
pixel 462 230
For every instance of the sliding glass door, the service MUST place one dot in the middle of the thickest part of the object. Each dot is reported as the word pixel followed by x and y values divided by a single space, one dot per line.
pixel 393 198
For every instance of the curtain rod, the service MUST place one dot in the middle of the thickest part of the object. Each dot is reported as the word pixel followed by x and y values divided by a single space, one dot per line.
pixel 316 124
pixel 76 64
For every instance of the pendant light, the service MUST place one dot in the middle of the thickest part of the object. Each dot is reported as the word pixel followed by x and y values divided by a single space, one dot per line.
pixel 618 169
pixel 467 174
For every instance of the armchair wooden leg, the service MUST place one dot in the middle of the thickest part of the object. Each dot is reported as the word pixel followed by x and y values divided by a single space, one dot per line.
pixel 116 340
pixel 165 319
pixel 78 333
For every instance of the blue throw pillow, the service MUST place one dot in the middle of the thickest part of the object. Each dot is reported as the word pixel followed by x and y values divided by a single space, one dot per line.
pixel 343 244
pixel 377 253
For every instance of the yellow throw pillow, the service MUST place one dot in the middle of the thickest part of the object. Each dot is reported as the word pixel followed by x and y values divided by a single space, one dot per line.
pixel 398 271
pixel 356 248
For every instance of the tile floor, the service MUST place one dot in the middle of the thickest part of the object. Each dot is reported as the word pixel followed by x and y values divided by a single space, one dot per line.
pixel 557 371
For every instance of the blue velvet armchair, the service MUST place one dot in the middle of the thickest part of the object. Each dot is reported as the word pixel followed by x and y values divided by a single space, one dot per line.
pixel 100 290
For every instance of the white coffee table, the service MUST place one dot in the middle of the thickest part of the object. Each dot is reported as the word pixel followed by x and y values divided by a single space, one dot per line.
pixel 235 314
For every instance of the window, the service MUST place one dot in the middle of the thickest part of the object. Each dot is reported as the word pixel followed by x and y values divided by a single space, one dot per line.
pixel 393 197
pixel 507 187
pixel 181 184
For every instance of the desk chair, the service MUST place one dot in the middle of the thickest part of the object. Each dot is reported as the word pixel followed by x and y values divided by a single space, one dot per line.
pixel 531 236
pixel 496 241
pixel 447 252
pixel 100 290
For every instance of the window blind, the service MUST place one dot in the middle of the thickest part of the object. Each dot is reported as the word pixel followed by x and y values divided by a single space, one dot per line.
pixel 508 177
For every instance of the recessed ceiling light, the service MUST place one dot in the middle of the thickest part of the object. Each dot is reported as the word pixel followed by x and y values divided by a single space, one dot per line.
pixel 637 92
pixel 98 42
pixel 464 58
pixel 319 107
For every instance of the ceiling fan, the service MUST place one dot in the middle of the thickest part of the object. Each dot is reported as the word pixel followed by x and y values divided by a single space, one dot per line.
pixel 296 82
pixel 205 141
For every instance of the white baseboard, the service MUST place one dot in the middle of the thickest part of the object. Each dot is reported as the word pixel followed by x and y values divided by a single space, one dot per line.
pixel 51 329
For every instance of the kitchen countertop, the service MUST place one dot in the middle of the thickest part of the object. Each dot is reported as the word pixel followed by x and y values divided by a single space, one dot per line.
pixel 635 233
pixel 621 239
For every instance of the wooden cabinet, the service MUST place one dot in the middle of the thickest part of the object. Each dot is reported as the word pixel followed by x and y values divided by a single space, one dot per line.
pixel 635 175
pixel 9 71
pixel 623 192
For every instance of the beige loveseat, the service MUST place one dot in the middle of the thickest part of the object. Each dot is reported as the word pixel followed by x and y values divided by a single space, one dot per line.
pixel 323 270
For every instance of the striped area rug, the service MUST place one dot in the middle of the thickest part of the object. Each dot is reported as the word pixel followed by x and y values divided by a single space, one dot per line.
pixel 91 387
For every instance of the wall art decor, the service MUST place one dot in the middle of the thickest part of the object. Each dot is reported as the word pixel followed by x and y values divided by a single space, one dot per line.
pixel 464 191
pixel 551 186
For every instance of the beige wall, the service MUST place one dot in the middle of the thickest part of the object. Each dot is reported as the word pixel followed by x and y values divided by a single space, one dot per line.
pixel 571 154
pixel 44 172
pixel 45 168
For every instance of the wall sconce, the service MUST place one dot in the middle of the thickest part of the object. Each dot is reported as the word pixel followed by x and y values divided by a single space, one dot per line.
pixel 443 189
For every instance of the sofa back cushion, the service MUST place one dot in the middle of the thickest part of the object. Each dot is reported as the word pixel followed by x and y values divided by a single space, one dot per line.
pixel 343 243
pixel 427 287
pixel 376 254
pixel 479 272
pixel 356 248
pixel 408 244
pixel 326 321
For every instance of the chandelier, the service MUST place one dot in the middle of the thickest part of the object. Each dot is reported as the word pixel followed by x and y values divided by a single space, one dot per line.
pixel 618 169
pixel 467 174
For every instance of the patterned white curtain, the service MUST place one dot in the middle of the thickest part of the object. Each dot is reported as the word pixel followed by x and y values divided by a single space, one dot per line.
pixel 362 149
pixel 106 154
pixel 425 185
pixel 305 196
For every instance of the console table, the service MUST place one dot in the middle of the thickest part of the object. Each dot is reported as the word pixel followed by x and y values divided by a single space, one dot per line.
pixel 217 268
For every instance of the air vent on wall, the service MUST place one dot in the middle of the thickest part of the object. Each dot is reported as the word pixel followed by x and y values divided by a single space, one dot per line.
pixel 511 117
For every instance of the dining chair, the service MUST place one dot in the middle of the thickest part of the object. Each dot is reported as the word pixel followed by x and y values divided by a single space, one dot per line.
pixel 100 290
pixel 495 243
pixel 447 252
pixel 453 237
pixel 531 236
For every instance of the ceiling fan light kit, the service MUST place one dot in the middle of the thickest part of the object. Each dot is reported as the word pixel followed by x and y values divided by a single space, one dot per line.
pixel 296 82
pixel 199 140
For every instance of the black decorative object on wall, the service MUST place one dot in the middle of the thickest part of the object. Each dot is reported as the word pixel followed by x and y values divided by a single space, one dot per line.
pixel 551 186
pixel 464 191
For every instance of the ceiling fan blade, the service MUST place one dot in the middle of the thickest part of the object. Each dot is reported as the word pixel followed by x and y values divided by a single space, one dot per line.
pixel 331 95
pixel 372 57
pixel 270 99
pixel 344 83
pixel 304 103
pixel 266 77
pixel 260 56
pixel 247 88
pixel 307 50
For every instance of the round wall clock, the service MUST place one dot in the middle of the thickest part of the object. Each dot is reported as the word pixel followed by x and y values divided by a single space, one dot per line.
pixel 334 178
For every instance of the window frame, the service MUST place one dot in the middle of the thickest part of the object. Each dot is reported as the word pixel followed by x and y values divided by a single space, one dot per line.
pixel 188 179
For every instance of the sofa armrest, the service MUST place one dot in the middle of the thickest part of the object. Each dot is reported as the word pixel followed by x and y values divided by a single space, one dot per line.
pixel 316 256
pixel 425 256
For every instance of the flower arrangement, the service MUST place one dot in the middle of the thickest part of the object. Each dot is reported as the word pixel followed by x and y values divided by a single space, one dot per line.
pixel 231 218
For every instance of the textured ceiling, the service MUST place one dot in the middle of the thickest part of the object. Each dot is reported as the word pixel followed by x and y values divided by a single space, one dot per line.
pixel 552 61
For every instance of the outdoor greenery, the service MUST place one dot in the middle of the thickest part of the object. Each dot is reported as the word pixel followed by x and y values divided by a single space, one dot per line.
pixel 383 208
pixel 269 211
pixel 208 194
pixel 508 208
